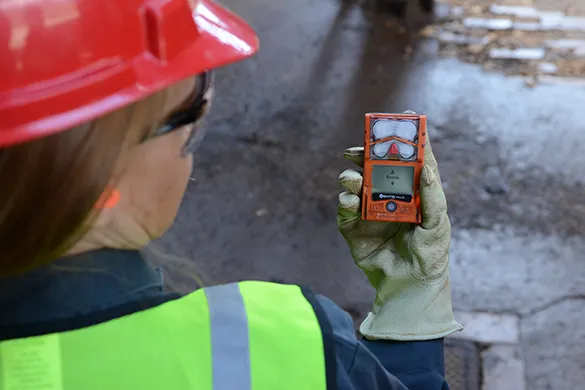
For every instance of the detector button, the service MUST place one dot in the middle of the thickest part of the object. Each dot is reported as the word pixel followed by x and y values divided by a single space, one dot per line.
pixel 391 206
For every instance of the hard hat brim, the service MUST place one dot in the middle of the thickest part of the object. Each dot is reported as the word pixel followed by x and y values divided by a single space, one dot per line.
pixel 222 38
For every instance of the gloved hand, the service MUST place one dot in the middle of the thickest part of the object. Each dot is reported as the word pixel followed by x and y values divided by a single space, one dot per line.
pixel 407 264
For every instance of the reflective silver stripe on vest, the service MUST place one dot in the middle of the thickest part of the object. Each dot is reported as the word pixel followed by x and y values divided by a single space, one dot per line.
pixel 230 346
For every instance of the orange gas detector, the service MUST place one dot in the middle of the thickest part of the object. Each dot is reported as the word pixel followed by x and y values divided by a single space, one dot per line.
pixel 393 160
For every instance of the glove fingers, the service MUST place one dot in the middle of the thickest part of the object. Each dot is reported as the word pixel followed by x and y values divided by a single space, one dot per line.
pixel 351 181
pixel 355 155
pixel 348 211
pixel 349 204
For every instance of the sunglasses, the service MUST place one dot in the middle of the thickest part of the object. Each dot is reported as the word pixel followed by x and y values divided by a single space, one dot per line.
pixel 191 112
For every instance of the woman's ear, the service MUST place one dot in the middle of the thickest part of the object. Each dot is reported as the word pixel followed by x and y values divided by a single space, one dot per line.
pixel 109 199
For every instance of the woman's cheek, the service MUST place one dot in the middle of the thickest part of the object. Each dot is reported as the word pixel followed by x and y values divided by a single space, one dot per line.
pixel 170 200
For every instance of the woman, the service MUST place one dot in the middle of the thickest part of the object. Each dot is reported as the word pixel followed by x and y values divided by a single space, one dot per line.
pixel 98 109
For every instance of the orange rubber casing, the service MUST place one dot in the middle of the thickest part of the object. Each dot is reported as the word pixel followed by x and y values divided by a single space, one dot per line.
pixel 391 207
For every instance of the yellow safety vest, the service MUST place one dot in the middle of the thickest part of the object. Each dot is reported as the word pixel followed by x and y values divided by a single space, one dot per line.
pixel 245 336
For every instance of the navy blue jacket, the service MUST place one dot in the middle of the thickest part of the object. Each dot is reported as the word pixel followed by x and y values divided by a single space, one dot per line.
pixel 98 286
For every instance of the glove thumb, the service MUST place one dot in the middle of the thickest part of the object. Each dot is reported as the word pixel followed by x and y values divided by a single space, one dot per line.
pixel 433 201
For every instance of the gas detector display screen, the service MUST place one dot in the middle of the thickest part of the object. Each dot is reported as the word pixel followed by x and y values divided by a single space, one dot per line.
pixel 387 179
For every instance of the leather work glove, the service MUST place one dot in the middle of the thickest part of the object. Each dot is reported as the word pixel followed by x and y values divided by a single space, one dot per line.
pixel 407 264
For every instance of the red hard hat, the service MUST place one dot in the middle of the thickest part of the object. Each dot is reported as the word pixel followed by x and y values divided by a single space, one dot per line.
pixel 64 62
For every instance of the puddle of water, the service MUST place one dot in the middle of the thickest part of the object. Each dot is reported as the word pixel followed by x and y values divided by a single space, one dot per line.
pixel 539 129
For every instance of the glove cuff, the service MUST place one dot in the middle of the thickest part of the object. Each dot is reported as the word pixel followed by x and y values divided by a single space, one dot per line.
pixel 370 330
pixel 417 312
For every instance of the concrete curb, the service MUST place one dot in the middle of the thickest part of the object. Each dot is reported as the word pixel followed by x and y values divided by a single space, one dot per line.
pixel 488 328
pixel 502 361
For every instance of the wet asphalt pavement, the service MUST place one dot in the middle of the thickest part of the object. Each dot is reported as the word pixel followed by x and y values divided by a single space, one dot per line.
pixel 262 203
